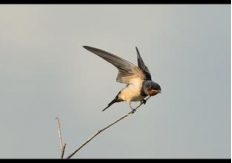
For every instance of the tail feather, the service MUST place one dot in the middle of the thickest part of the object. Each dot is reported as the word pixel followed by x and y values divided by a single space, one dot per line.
pixel 116 99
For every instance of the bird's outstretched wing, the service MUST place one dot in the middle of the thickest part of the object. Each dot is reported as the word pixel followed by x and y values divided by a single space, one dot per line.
pixel 126 71
pixel 142 66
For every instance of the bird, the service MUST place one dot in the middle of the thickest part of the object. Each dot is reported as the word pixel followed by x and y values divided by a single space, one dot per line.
pixel 138 78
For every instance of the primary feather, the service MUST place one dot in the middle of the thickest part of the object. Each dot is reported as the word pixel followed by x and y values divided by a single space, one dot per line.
pixel 126 70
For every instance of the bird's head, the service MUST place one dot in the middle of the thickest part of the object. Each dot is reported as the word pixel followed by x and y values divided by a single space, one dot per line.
pixel 151 88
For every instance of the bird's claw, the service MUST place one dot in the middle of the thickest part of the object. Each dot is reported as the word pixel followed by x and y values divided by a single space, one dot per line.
pixel 133 111
pixel 144 101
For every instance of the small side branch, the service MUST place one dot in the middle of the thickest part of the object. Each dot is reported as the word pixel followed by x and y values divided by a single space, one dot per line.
pixel 99 131
pixel 62 145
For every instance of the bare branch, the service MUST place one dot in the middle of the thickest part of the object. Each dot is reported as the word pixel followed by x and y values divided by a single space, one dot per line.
pixel 62 145
pixel 99 131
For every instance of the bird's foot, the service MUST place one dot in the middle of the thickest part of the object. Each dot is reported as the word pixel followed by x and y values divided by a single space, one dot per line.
pixel 144 101
pixel 133 111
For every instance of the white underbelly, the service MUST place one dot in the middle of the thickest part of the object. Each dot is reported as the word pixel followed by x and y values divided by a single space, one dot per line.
pixel 132 92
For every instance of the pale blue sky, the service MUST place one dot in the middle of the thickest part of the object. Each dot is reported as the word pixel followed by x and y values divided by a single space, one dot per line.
pixel 45 72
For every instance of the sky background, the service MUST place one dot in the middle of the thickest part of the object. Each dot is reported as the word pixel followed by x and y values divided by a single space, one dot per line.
pixel 46 73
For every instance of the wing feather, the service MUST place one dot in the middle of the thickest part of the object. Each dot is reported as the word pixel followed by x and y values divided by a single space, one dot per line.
pixel 142 66
pixel 126 70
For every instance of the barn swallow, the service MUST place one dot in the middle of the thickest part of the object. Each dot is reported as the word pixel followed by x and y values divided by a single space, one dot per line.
pixel 137 78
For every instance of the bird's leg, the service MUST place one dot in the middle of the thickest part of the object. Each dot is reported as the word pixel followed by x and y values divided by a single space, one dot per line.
pixel 134 109
pixel 129 103
pixel 141 102
pixel 145 100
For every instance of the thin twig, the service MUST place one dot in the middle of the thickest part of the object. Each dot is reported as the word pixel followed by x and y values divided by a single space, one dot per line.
pixel 59 132
pixel 62 151
pixel 99 131
pixel 62 145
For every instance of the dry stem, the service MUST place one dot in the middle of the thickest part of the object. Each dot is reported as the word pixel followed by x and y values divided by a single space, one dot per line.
pixel 99 131
pixel 62 145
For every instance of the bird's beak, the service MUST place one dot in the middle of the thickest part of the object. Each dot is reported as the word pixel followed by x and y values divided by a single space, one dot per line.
pixel 159 91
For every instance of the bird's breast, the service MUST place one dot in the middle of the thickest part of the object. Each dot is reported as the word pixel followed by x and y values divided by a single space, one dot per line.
pixel 132 91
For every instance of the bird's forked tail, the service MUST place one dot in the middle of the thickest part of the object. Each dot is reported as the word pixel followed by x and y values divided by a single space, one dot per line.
pixel 116 99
